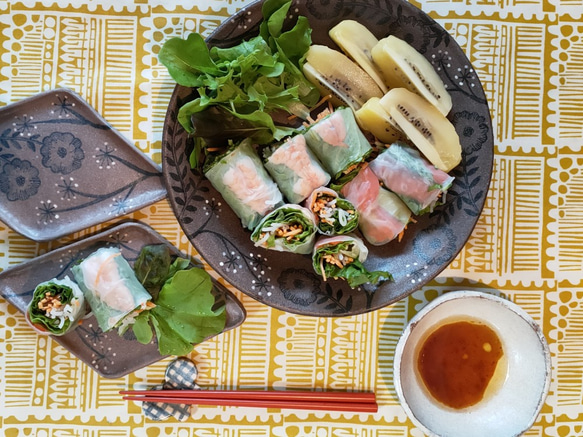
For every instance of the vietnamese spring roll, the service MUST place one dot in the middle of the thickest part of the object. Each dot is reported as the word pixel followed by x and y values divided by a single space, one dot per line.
pixel 244 183
pixel 110 287
pixel 56 306
pixel 407 174
pixel 383 216
pixel 342 257
pixel 295 168
pixel 289 228
pixel 334 215
pixel 338 142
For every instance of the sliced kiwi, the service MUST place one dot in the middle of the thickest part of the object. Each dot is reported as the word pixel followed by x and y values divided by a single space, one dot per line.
pixel 334 73
pixel 373 118
pixel 427 128
pixel 356 41
pixel 403 66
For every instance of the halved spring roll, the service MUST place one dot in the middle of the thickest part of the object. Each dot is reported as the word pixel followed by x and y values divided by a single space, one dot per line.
pixel 383 216
pixel 342 257
pixel 110 286
pixel 295 168
pixel 244 183
pixel 334 215
pixel 338 142
pixel 290 228
pixel 407 174
pixel 56 306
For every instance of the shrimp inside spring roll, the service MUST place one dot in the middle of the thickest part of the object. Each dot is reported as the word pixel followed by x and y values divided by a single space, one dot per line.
pixel 383 216
pixel 406 173
pixel 338 142
pixel 295 168
pixel 244 183
pixel 110 286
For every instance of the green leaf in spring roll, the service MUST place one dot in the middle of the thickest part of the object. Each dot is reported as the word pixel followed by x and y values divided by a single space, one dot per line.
pixel 290 228
pixel 56 306
pixel 343 257
pixel 334 214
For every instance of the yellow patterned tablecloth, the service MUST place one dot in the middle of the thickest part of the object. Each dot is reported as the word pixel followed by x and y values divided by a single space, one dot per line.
pixel 527 244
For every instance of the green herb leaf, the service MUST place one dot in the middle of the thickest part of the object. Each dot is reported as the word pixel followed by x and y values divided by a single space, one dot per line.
pixel 354 273
pixel 183 315
pixel 152 265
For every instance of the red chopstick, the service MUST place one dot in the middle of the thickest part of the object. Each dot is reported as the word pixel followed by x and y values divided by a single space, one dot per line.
pixel 286 399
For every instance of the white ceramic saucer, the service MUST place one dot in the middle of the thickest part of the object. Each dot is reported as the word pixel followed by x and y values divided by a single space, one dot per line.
pixel 520 384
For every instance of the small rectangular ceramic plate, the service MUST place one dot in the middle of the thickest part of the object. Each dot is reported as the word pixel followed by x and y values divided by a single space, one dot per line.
pixel 63 168
pixel 109 354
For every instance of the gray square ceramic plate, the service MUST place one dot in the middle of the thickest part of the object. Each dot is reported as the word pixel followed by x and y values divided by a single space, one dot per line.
pixel 63 168
pixel 109 354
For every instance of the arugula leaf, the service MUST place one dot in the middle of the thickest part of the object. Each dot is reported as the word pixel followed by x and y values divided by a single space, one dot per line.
pixel 152 265
pixel 183 314
pixel 187 60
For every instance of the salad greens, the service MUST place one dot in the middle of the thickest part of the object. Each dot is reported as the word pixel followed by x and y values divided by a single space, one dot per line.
pixel 240 87
pixel 184 312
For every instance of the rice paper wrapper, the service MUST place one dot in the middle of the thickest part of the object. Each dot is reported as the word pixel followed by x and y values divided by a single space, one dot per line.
pixel 383 216
pixel 406 173
pixel 295 168
pixel 334 214
pixel 245 184
pixel 338 142
pixel 63 318
pixel 359 249
pixel 110 286
pixel 282 220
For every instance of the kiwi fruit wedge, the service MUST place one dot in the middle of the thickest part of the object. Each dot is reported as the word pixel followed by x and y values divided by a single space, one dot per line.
pixel 356 41
pixel 333 73
pixel 372 117
pixel 427 128
pixel 403 66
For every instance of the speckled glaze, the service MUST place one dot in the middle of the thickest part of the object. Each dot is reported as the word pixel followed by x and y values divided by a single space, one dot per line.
pixel 63 168
pixel 288 282
pixel 109 354
pixel 520 384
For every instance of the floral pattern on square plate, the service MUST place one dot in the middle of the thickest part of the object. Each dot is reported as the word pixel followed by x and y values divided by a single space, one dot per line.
pixel 63 168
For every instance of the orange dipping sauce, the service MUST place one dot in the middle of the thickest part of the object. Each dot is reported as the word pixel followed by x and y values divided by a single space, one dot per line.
pixel 457 361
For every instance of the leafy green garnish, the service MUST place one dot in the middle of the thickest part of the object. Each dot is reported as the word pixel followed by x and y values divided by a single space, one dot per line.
pixel 153 265
pixel 249 81
pixel 354 273
pixel 183 314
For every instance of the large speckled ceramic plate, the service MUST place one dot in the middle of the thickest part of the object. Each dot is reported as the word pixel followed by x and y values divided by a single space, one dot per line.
pixel 63 168
pixel 287 281
pixel 109 354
